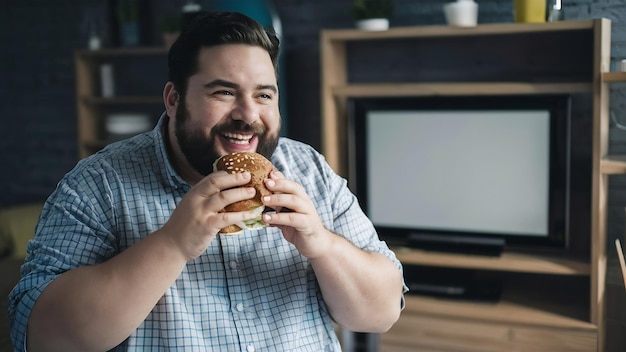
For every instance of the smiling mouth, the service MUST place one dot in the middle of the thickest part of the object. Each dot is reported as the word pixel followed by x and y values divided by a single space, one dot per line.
pixel 238 138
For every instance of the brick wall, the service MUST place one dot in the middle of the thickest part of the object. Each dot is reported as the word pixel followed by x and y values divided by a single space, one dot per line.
pixel 38 134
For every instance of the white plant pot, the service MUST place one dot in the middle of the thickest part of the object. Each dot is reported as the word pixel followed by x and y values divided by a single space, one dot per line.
pixel 373 24
pixel 461 13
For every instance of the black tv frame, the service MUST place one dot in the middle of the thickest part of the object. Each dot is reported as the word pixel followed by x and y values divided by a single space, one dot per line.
pixel 559 106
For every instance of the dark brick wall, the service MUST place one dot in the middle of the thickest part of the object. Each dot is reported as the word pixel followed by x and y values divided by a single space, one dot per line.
pixel 38 133
pixel 37 83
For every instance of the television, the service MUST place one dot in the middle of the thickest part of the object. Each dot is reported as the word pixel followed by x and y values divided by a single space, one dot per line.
pixel 473 174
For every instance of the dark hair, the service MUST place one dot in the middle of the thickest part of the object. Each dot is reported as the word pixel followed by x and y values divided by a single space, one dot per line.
pixel 215 28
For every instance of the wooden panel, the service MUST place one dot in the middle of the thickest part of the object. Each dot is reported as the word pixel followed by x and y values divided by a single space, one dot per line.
pixel 599 183
pixel 85 86
pixel 518 305
pixel 432 333
pixel 508 261
pixel 614 77
pixel 120 52
pixel 333 74
pixel 443 89
pixel 613 165
pixel 442 31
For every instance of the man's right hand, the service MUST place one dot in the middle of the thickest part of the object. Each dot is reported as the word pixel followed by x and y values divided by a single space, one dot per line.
pixel 198 217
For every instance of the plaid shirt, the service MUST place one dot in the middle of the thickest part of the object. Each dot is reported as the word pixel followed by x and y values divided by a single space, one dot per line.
pixel 250 292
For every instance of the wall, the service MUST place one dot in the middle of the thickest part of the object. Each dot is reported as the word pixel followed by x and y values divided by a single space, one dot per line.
pixel 38 114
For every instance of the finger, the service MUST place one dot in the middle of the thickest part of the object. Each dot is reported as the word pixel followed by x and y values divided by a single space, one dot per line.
pixel 283 185
pixel 221 180
pixel 288 219
pixel 233 195
pixel 285 202
pixel 275 174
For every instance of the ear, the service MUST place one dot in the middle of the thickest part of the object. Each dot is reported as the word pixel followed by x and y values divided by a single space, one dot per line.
pixel 170 98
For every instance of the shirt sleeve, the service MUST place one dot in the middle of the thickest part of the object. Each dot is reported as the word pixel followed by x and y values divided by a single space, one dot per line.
pixel 351 222
pixel 337 206
pixel 69 234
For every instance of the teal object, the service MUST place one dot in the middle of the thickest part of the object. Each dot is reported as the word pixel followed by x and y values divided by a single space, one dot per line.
pixel 264 12
pixel 260 10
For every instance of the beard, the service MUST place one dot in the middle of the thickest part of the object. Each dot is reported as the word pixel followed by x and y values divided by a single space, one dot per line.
pixel 201 151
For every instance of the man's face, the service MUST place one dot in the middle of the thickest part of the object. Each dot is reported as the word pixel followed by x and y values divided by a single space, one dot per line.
pixel 231 105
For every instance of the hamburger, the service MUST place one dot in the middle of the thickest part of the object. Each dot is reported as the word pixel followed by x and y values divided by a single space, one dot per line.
pixel 259 168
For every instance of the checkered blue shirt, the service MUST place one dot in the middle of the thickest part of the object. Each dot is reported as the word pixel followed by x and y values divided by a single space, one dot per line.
pixel 250 292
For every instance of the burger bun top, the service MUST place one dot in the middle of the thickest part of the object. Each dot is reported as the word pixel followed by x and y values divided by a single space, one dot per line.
pixel 259 168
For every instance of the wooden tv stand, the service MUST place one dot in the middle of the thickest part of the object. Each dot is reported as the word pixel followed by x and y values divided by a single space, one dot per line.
pixel 539 308
pixel 551 301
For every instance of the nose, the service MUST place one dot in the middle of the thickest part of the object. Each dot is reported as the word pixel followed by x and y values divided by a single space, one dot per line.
pixel 245 110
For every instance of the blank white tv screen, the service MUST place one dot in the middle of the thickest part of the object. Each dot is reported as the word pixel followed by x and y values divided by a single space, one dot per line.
pixel 476 171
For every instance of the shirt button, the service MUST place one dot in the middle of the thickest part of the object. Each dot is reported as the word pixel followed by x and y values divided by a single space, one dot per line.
pixel 250 348
pixel 234 265
pixel 239 307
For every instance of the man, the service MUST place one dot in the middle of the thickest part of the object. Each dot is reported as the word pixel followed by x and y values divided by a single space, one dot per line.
pixel 127 254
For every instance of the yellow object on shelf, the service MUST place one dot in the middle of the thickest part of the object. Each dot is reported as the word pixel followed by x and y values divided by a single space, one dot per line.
pixel 530 11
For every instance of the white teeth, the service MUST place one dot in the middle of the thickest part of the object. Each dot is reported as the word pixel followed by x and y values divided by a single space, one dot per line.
pixel 238 138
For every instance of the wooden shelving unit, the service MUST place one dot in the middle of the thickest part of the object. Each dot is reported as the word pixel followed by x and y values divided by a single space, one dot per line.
pixel 92 107
pixel 533 314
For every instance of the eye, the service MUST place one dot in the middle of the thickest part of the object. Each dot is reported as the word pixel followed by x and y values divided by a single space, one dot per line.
pixel 223 92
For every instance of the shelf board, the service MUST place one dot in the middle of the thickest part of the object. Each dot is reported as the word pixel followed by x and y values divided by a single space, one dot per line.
pixel 123 100
pixel 443 31
pixel 613 165
pixel 120 52
pixel 508 310
pixel 508 261
pixel 456 88
pixel 614 76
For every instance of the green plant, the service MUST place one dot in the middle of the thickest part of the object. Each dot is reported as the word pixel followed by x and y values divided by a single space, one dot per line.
pixel 171 23
pixel 364 9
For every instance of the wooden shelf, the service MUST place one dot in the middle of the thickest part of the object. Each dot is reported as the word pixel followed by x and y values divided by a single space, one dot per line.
pixel 613 164
pixel 614 76
pixel 541 263
pixel 123 100
pixel 432 324
pixel 446 31
pixel 91 107
pixel 122 52
pixel 452 88
pixel 509 309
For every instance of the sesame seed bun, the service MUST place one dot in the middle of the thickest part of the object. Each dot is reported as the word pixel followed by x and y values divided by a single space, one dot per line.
pixel 259 168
